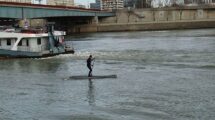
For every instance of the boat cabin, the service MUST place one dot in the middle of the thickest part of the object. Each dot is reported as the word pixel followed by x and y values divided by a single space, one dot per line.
pixel 31 44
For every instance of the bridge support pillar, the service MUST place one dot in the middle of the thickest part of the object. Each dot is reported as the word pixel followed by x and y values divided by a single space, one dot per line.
pixel 95 20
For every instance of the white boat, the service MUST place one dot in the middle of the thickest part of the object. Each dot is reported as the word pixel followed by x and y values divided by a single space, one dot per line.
pixel 33 43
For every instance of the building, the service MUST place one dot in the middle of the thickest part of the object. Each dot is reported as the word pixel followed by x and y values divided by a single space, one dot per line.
pixel 44 2
pixel 112 4
pixel 61 2
pixel 96 5
pixel 93 6
pixel 81 6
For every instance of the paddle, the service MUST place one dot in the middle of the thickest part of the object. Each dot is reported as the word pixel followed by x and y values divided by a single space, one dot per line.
pixel 93 62
pixel 92 66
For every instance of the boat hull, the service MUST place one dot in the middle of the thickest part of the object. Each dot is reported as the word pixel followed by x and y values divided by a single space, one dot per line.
pixel 25 54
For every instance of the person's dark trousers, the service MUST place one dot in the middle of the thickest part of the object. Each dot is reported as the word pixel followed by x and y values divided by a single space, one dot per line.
pixel 90 72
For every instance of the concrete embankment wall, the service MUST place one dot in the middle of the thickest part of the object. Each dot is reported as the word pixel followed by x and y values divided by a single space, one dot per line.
pixel 157 26
pixel 154 19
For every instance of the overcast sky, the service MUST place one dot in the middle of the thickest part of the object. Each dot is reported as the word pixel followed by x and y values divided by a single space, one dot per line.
pixel 84 2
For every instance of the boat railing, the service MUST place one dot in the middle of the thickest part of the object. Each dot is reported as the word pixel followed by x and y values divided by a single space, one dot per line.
pixel 32 49
pixel 28 48
pixel 5 47
pixel 23 48
pixel 39 48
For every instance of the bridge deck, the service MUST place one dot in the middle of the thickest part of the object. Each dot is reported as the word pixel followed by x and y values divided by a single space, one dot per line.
pixel 28 10
pixel 20 4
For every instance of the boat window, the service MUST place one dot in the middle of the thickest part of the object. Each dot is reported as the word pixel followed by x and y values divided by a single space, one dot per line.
pixel 27 42
pixel 0 42
pixel 38 41
pixel 20 43
pixel 8 42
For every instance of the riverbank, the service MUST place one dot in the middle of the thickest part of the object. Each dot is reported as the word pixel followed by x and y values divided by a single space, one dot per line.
pixel 165 25
pixel 152 19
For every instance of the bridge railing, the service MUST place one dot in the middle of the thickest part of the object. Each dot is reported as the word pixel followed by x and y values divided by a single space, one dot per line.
pixel 17 1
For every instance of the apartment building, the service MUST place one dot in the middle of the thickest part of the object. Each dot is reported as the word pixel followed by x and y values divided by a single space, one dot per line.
pixel 112 4
pixel 96 5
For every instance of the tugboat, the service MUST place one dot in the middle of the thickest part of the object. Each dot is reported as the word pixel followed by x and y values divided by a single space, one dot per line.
pixel 33 43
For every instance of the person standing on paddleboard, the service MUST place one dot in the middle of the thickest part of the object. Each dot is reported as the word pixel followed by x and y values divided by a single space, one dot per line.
pixel 89 65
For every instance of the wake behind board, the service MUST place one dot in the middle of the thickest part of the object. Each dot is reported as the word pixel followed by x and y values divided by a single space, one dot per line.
pixel 92 77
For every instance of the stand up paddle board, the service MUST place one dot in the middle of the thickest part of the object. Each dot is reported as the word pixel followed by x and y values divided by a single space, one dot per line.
pixel 92 77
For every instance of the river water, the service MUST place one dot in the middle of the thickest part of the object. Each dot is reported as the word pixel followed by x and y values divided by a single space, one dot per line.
pixel 162 75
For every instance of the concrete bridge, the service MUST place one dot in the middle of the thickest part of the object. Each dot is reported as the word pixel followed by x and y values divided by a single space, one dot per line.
pixel 14 10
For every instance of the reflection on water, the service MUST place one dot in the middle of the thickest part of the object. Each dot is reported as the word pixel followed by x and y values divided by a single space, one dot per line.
pixel 29 65
pixel 162 75
pixel 91 93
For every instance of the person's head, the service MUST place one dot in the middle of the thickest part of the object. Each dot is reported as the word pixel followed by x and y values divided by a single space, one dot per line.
pixel 90 56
